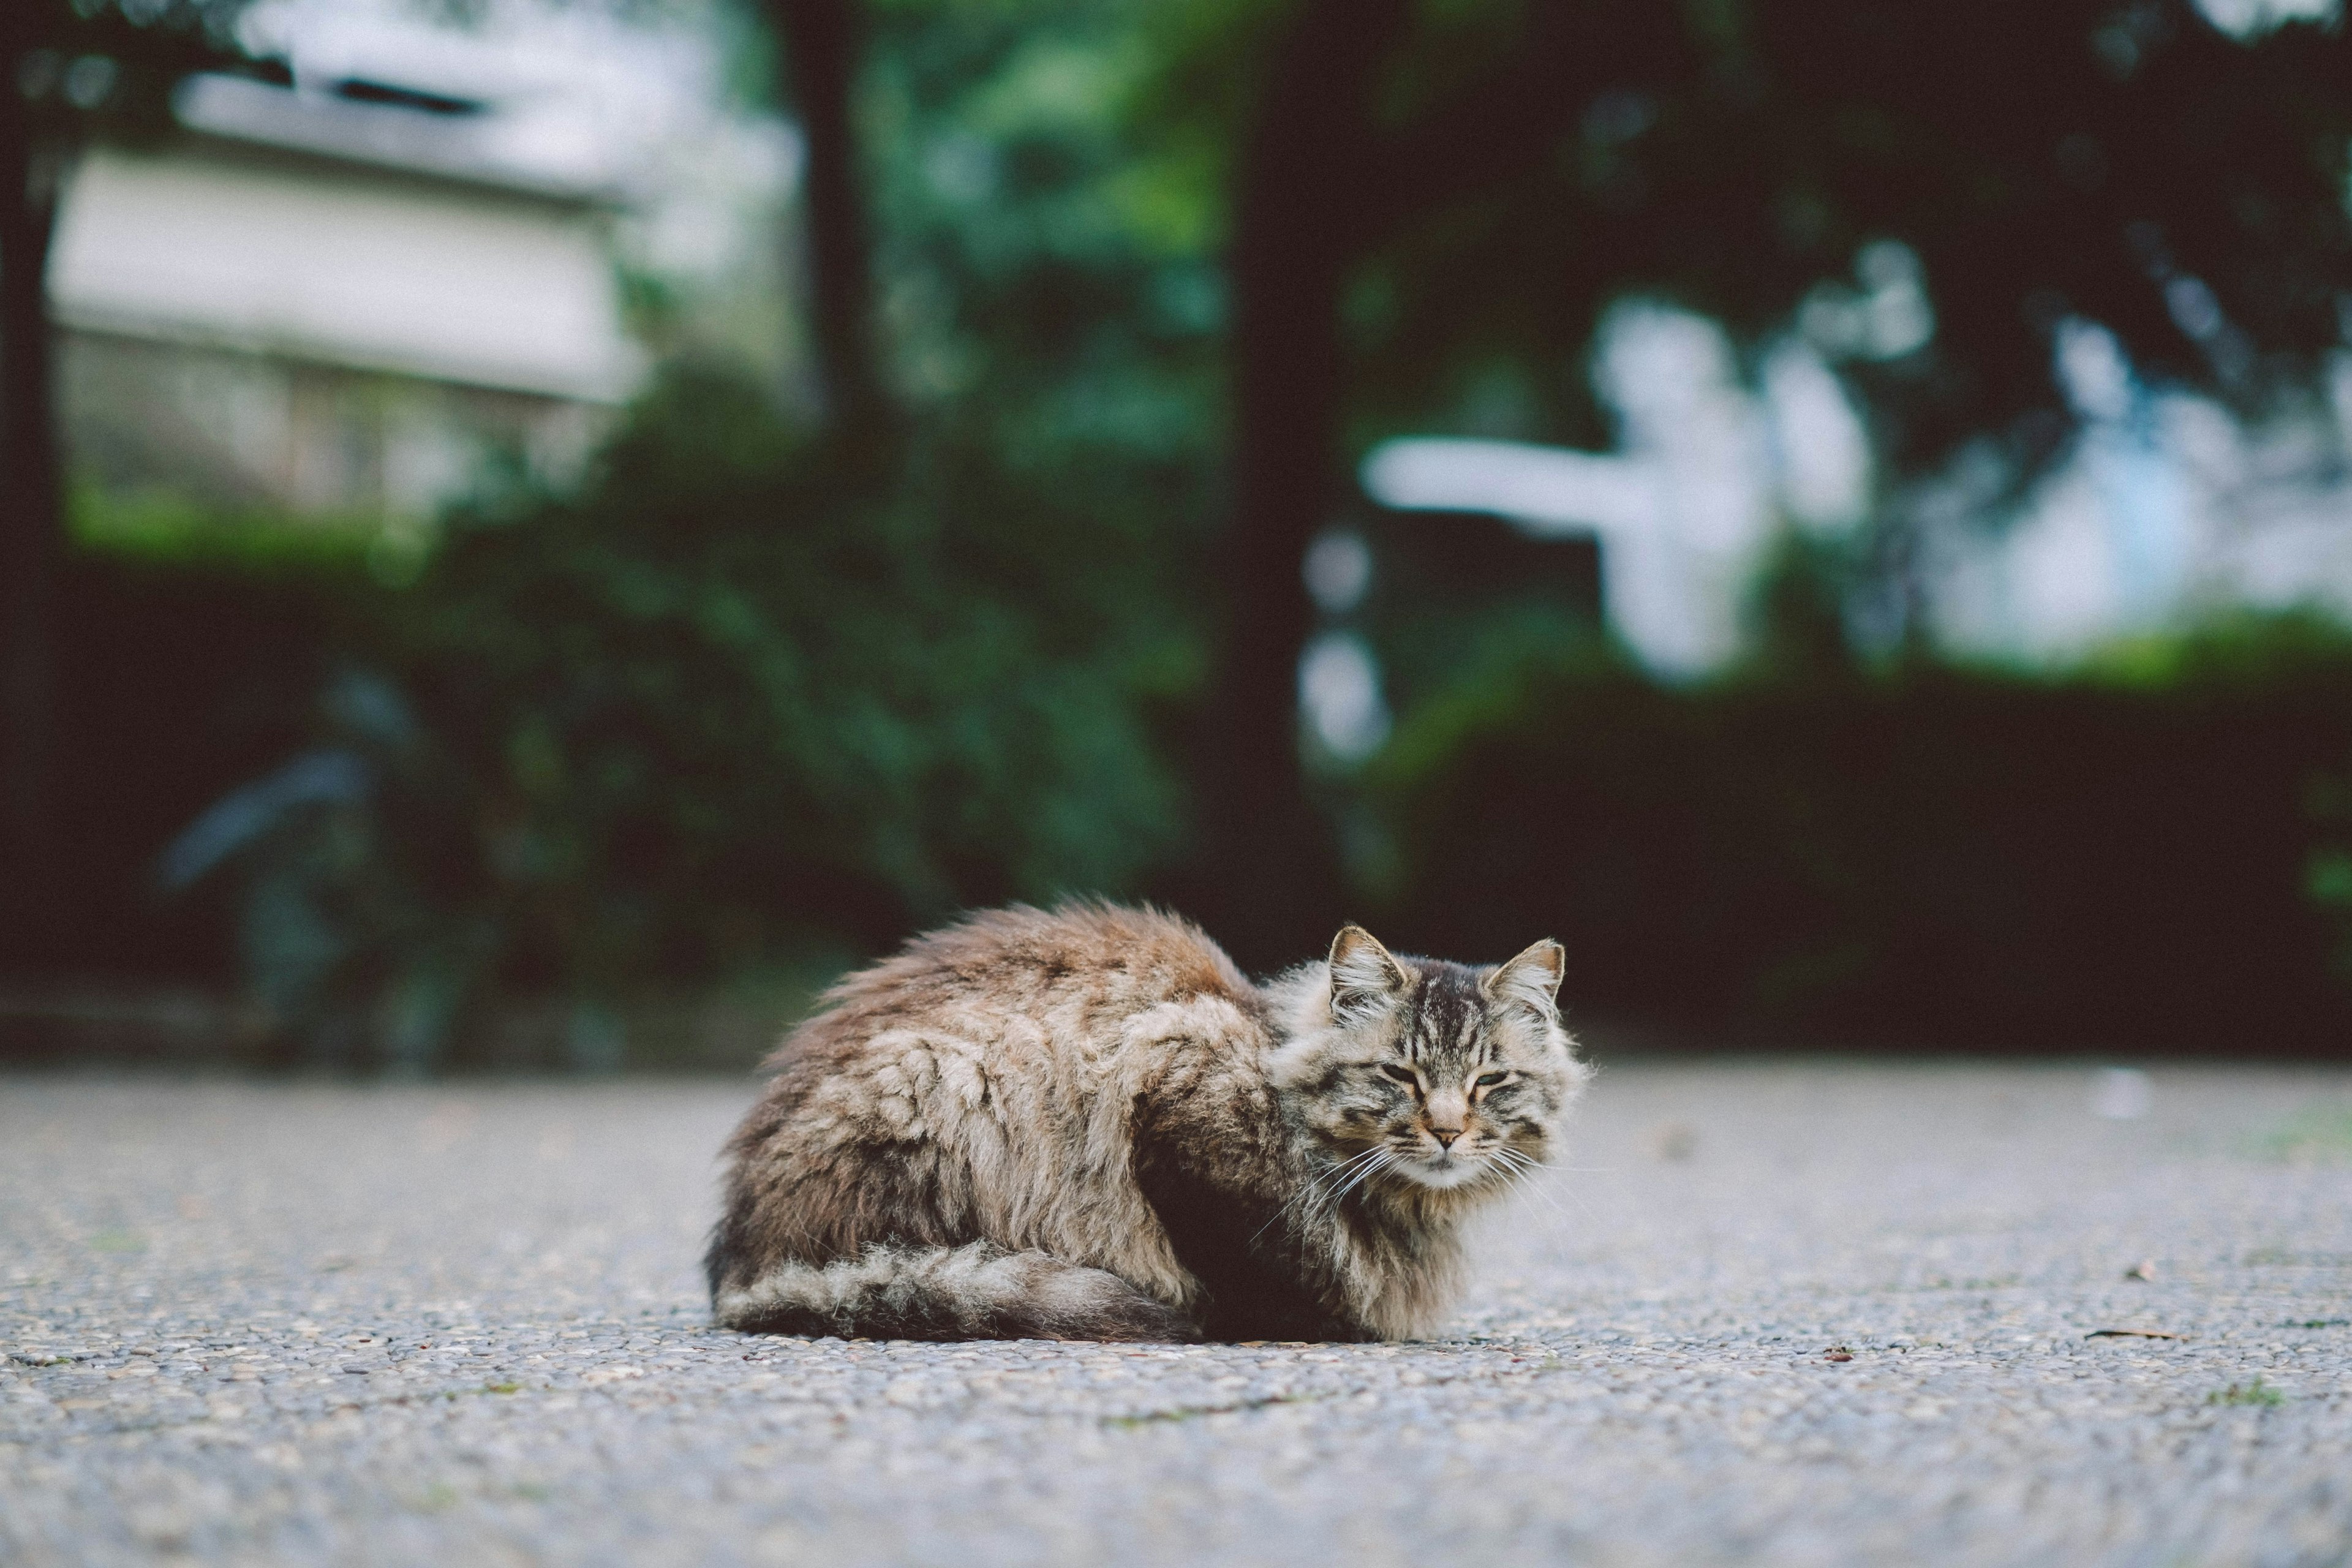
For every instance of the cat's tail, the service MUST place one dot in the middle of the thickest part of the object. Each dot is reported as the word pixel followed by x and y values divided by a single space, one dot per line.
pixel 977 1291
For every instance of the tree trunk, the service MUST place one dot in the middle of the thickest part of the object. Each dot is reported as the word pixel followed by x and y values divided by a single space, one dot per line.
pixel 31 515
pixel 1271 886
pixel 820 41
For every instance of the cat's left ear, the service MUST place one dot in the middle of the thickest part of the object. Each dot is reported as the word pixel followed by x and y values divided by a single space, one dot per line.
pixel 1532 978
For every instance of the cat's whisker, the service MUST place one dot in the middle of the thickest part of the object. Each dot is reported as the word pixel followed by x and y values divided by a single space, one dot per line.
pixel 1345 1179
pixel 1307 1200
pixel 1520 1171
pixel 1342 1175
pixel 1534 1163
pixel 1574 1193
pixel 1301 1201
pixel 1332 1180
pixel 1346 1176
pixel 1387 1158
pixel 1522 1183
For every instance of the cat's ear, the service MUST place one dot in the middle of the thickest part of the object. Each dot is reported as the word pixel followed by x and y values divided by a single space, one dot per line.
pixel 1363 975
pixel 1532 978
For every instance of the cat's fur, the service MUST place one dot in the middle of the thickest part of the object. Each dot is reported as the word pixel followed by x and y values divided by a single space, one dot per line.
pixel 1088 1125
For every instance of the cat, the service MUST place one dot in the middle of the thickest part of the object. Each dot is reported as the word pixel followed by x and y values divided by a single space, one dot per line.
pixel 1088 1124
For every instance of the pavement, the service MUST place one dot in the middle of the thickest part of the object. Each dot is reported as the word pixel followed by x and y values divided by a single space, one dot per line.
pixel 1792 1312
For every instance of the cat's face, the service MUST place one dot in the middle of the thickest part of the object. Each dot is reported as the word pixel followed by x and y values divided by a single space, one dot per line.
pixel 1429 1072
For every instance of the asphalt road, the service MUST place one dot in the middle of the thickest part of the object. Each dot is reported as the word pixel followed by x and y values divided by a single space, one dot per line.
pixel 1823 1313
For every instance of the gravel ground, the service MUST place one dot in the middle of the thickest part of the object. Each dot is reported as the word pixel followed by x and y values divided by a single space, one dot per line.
pixel 1809 1314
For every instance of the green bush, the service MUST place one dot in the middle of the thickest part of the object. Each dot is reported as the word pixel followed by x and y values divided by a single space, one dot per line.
pixel 740 696
pixel 2120 858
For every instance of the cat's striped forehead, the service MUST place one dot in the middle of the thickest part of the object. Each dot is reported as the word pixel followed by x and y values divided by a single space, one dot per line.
pixel 1448 1016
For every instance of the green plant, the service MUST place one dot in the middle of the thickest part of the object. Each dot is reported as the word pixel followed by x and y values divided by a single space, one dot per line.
pixel 739 695
pixel 1911 855
pixel 2327 873
pixel 2255 1393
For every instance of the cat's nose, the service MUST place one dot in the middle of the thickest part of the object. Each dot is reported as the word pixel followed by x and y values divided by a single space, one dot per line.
pixel 1445 1135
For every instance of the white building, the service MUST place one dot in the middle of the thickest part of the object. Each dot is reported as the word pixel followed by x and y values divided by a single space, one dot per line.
pixel 338 295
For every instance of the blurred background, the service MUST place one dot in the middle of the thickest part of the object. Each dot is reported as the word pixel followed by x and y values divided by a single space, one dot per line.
pixel 533 534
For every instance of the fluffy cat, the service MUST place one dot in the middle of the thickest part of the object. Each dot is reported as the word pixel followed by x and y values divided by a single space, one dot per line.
pixel 1089 1124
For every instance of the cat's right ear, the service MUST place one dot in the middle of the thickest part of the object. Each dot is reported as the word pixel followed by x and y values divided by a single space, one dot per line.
pixel 1532 979
pixel 1363 975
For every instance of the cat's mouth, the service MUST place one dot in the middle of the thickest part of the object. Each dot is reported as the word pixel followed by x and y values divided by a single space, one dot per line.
pixel 1444 1168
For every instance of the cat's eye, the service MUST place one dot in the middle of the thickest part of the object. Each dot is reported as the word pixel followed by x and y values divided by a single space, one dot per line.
pixel 1401 1074
pixel 1490 1079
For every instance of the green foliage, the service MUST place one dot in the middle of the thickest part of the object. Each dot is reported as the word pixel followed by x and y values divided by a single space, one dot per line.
pixel 2255 1393
pixel 1797 606
pixel 750 695
pixel 1916 855
pixel 925 689
pixel 2134 165
pixel 739 696
pixel 2327 873
pixel 166 528
pixel 1047 280
pixel 747 696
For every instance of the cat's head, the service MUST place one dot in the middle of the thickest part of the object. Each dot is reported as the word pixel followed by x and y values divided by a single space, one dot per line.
pixel 1429 1072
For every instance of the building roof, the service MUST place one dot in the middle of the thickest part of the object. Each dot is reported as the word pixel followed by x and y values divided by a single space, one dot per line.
pixel 374 124
pixel 357 224
pixel 476 287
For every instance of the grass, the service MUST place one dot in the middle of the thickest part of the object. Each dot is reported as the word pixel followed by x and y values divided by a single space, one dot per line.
pixel 2257 1393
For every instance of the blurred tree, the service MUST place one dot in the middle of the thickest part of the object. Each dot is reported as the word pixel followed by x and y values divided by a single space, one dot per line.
pixel 735 699
pixel 822 43
pixel 750 693
pixel 1425 193
pixel 2116 857
pixel 739 689
pixel 69 69
pixel 1299 217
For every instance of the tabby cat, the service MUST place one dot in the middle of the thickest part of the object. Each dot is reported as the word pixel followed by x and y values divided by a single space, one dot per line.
pixel 1088 1125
